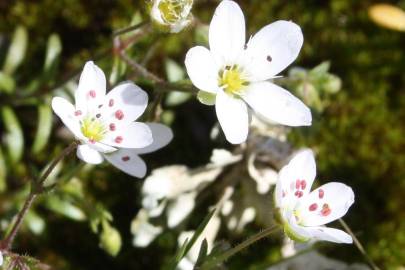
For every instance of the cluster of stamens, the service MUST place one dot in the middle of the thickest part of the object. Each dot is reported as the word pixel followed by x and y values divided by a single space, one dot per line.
pixel 300 184
pixel 325 211
pixel 174 10
pixel 231 79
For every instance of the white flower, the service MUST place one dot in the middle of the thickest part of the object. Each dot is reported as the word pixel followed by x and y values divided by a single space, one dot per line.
pixel 304 213
pixel 172 15
pixel 1 258
pixel 234 75
pixel 105 123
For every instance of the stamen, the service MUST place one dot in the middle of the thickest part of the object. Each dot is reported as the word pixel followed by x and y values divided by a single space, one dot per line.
pixel 297 184
pixel 125 158
pixel 269 58
pixel 321 193
pixel 78 112
pixel 119 115
pixel 92 141
pixel 112 126
pixel 98 115
pixel 92 93
pixel 111 102
pixel 118 139
pixel 325 210
pixel 313 207
pixel 303 184
pixel 99 106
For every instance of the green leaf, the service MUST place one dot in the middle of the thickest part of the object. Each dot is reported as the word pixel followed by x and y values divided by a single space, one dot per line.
pixel 320 69
pixel 3 172
pixel 206 98
pixel 202 254
pixel 53 51
pixel 174 71
pixel 43 128
pixel 16 51
pixel 7 83
pixel 64 207
pixel 14 136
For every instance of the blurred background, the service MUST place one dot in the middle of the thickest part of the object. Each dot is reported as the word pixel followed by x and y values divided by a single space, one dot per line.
pixel 357 132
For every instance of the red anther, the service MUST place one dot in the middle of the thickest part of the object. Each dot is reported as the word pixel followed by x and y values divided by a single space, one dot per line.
pixel 321 193
pixel 118 139
pixel 78 112
pixel 313 207
pixel 283 194
pixel 92 93
pixel 303 184
pixel 98 115
pixel 119 114
pixel 112 126
pixel 92 141
pixel 300 194
pixel 297 193
pixel 297 184
pixel 325 210
pixel 111 102
pixel 125 158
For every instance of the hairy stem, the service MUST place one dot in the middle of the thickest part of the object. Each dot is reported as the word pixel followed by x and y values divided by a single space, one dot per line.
pixel 36 188
pixel 229 253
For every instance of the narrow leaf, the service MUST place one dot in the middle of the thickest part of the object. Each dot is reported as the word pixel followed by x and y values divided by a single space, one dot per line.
pixel 14 136
pixel 203 253
pixel 53 51
pixel 7 83
pixel 16 51
pixel 43 128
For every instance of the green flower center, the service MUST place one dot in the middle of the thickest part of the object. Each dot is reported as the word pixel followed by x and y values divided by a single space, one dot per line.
pixel 231 79
pixel 93 129
pixel 173 10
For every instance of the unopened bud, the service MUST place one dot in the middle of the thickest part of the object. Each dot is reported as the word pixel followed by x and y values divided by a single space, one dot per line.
pixel 171 15
pixel 110 239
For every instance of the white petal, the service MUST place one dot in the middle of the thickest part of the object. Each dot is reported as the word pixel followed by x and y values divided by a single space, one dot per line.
pixel 66 112
pixel 91 89
pixel 301 167
pixel 100 147
pixel 89 155
pixel 1 258
pixel 274 103
pixel 202 69
pixel 134 135
pixel 233 117
pixel 161 134
pixel 330 234
pixel 338 197
pixel 127 161
pixel 272 49
pixel 227 33
pixel 180 208
pixel 128 100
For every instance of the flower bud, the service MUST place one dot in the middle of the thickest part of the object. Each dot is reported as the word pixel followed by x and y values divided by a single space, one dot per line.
pixel 171 15
pixel 110 239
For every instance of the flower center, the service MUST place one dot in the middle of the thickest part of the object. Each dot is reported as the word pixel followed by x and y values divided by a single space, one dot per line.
pixel 172 11
pixel 93 129
pixel 231 80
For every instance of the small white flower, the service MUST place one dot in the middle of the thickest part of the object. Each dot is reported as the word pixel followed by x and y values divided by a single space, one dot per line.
pixel 1 258
pixel 303 213
pixel 105 123
pixel 234 75
pixel 172 15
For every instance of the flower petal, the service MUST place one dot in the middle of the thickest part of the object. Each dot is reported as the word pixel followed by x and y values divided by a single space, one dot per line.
pixel 88 154
pixel 91 90
pixel 134 135
pixel 330 234
pixel 302 168
pixel 325 204
pixel 180 208
pixel 233 116
pixel 161 134
pixel 202 69
pixel 274 103
pixel 66 112
pixel 127 161
pixel 227 33
pixel 124 104
pixel 272 49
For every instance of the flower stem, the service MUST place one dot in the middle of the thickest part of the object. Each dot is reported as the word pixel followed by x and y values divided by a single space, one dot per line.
pixel 358 245
pixel 128 29
pixel 229 253
pixel 37 188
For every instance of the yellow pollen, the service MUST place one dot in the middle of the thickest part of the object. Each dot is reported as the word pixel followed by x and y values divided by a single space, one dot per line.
pixel 231 80
pixel 93 129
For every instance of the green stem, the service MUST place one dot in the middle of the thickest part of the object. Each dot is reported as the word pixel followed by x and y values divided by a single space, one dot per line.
pixel 36 188
pixel 358 245
pixel 128 29
pixel 229 253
